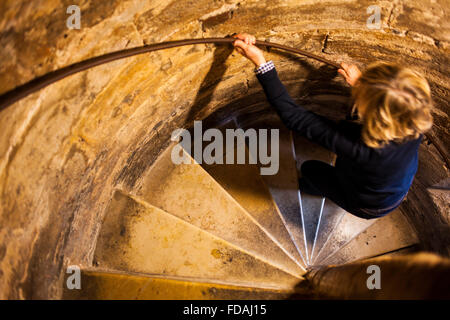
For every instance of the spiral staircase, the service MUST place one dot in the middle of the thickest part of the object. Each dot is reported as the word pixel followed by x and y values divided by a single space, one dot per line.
pixel 223 231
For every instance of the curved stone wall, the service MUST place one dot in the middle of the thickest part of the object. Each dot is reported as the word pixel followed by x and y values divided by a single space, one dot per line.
pixel 64 149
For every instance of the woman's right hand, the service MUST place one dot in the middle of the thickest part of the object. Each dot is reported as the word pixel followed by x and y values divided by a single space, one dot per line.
pixel 350 73
pixel 245 45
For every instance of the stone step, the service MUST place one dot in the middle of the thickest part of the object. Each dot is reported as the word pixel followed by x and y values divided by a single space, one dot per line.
pixel 389 233
pixel 283 186
pixel 112 285
pixel 348 228
pixel 440 196
pixel 312 206
pixel 138 237
pixel 190 193
pixel 244 183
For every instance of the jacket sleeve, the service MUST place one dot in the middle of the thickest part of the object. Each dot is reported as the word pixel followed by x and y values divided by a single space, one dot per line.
pixel 308 124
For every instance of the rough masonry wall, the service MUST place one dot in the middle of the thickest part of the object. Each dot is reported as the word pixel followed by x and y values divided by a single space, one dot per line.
pixel 64 149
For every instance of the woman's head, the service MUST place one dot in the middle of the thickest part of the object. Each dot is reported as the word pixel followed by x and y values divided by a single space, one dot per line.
pixel 393 102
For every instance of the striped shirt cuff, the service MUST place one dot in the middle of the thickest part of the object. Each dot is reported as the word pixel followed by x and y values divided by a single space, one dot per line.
pixel 263 68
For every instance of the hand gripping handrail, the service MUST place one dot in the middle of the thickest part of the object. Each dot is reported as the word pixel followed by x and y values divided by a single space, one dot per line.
pixel 38 83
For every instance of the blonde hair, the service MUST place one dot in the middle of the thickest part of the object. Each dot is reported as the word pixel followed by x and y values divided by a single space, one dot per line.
pixel 393 102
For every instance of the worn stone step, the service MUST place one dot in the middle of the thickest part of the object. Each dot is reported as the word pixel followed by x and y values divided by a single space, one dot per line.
pixel 389 233
pixel 197 139
pixel 283 186
pixel 348 228
pixel 244 183
pixel 312 206
pixel 113 285
pixel 139 237
pixel 190 193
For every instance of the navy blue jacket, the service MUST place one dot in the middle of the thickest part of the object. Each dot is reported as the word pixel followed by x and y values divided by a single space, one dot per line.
pixel 373 177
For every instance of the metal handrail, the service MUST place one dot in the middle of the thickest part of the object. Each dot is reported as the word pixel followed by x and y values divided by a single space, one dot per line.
pixel 38 83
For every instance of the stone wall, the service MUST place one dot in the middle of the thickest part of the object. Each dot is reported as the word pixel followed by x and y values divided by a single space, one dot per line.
pixel 64 149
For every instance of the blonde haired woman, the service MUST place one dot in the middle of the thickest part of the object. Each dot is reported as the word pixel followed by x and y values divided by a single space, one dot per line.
pixel 376 158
